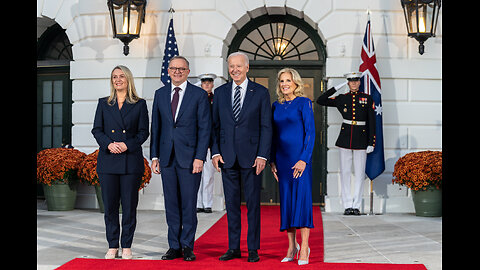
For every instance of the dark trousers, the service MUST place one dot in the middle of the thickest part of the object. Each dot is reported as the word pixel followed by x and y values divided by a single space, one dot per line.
pixel 116 188
pixel 180 189
pixel 252 185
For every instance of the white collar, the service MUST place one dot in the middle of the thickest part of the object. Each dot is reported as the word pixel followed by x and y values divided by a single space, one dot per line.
pixel 182 86
pixel 243 84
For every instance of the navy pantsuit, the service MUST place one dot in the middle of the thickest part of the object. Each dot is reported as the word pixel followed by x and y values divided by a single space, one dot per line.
pixel 240 143
pixel 118 188
pixel 176 143
pixel 120 174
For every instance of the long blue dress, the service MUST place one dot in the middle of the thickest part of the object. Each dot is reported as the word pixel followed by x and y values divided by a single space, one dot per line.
pixel 293 140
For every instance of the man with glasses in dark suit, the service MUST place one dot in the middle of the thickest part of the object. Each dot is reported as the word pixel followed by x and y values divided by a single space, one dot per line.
pixel 181 126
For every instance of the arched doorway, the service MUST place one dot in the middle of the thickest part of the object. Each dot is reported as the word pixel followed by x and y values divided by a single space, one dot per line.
pixel 54 88
pixel 273 42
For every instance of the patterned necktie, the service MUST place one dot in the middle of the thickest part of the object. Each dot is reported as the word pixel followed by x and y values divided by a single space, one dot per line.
pixel 236 103
pixel 175 102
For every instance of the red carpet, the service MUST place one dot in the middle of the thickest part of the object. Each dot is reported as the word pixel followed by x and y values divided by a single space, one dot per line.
pixel 213 243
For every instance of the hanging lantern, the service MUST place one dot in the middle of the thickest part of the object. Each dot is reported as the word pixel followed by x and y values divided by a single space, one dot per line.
pixel 421 17
pixel 126 17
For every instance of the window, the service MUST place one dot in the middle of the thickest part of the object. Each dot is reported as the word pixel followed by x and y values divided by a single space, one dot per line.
pixel 279 37
pixel 279 41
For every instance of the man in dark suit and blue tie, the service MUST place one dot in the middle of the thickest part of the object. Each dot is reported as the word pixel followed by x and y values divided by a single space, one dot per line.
pixel 242 135
pixel 180 134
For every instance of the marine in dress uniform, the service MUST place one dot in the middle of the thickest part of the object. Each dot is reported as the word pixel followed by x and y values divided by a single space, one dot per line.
pixel 205 192
pixel 356 138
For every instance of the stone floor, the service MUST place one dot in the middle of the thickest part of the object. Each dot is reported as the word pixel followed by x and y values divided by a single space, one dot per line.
pixel 389 238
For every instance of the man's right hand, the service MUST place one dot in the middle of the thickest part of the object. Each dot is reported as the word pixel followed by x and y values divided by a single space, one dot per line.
pixel 215 160
pixel 155 166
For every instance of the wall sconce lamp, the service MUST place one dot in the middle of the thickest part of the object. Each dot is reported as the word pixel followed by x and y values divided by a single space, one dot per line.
pixel 126 17
pixel 421 17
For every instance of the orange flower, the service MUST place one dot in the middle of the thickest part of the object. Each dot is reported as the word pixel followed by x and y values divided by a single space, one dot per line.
pixel 88 170
pixel 419 170
pixel 58 165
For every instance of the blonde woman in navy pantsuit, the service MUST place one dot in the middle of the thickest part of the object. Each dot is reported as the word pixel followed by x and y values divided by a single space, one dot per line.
pixel 120 128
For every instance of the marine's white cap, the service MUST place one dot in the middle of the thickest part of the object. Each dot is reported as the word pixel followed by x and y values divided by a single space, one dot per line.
pixel 353 76
pixel 207 76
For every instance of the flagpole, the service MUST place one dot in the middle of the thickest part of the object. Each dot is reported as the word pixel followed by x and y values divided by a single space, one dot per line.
pixel 371 198
pixel 371 181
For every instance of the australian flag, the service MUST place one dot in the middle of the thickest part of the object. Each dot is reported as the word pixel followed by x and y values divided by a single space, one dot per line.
pixel 370 84
pixel 170 51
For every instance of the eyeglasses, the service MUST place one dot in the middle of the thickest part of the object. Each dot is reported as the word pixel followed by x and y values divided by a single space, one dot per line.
pixel 179 69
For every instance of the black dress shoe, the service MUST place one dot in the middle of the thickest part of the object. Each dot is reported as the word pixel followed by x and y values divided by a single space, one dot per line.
pixel 200 210
pixel 208 210
pixel 231 254
pixel 356 212
pixel 348 212
pixel 253 255
pixel 188 254
pixel 172 254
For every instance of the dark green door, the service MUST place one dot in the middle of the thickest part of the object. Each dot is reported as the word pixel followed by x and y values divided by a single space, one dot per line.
pixel 312 78
pixel 54 107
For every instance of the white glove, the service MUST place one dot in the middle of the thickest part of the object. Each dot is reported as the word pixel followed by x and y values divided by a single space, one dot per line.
pixel 369 149
pixel 337 87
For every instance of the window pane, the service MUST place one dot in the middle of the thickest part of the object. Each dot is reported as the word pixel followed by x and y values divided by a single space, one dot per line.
pixel 47 137
pixel 308 87
pixel 299 37
pixel 306 46
pixel 310 56
pixel 266 31
pixel 57 91
pixel 57 114
pixel 248 46
pixel 57 136
pixel 255 36
pixel 47 114
pixel 47 91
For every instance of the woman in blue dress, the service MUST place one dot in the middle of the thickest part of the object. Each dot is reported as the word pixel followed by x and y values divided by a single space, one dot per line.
pixel 291 160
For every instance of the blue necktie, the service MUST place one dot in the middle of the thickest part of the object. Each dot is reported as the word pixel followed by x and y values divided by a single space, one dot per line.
pixel 236 103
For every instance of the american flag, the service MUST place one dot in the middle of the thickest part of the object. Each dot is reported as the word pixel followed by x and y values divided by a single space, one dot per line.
pixel 170 51
pixel 370 84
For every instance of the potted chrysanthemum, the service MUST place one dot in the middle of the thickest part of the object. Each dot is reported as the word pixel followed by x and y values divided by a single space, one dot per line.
pixel 88 175
pixel 422 173
pixel 57 172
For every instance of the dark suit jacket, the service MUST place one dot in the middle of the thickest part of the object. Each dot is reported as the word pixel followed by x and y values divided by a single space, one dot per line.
pixel 248 138
pixel 128 125
pixel 189 135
